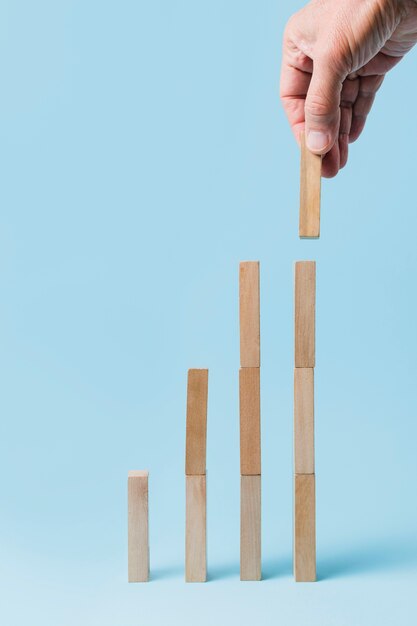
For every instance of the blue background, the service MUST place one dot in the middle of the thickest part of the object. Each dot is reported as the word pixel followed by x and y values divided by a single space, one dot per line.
pixel 143 154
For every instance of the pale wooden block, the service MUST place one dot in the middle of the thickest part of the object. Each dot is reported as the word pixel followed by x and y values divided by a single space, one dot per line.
pixel 305 313
pixel 196 429
pixel 250 528
pixel 310 183
pixel 304 420
pixel 195 530
pixel 138 531
pixel 249 314
pixel 250 420
pixel 304 528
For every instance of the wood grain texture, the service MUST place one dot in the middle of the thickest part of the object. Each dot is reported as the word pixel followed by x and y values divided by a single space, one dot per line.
pixel 249 314
pixel 250 528
pixel 138 532
pixel 250 420
pixel 195 530
pixel 310 183
pixel 304 528
pixel 305 313
pixel 196 428
pixel 304 420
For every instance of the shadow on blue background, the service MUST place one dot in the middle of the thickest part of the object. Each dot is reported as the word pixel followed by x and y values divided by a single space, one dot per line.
pixel 370 558
pixel 271 568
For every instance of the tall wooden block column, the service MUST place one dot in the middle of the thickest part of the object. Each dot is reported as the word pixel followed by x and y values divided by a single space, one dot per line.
pixel 304 473
pixel 195 477
pixel 250 422
pixel 138 533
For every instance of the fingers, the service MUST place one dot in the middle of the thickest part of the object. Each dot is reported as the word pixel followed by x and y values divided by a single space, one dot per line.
pixel 296 72
pixel 331 162
pixel 322 107
pixel 294 85
pixel 368 86
pixel 348 97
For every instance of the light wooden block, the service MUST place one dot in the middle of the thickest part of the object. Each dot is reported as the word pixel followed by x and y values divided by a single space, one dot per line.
pixel 250 528
pixel 249 314
pixel 138 532
pixel 310 183
pixel 304 420
pixel 305 313
pixel 195 530
pixel 304 528
pixel 196 429
pixel 250 420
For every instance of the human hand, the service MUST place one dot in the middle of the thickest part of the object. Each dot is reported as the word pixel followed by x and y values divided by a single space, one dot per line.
pixel 335 56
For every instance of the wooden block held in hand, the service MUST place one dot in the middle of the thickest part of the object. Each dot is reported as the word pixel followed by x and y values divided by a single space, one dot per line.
pixel 250 528
pixel 304 528
pixel 195 530
pixel 196 429
pixel 310 183
pixel 138 533
pixel 250 420
pixel 249 314
pixel 304 420
pixel 305 313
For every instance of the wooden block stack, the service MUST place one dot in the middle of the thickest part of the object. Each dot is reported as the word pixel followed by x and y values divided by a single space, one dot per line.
pixel 195 476
pixel 138 533
pixel 304 474
pixel 250 422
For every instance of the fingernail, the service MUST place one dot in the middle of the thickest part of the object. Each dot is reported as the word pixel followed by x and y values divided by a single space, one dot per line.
pixel 317 140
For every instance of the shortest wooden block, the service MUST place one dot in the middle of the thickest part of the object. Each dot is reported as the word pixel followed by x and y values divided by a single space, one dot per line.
pixel 310 183
pixel 195 530
pixel 304 528
pixel 138 532
pixel 250 528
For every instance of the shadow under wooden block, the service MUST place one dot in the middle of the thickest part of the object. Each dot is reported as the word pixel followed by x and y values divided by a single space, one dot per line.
pixel 310 184
pixel 304 420
pixel 250 528
pixel 196 427
pixel 250 420
pixel 138 526
pixel 304 528
pixel 305 313
pixel 249 314
pixel 195 530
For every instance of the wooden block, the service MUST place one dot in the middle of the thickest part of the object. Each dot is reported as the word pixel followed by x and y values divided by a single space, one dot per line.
pixel 310 182
pixel 249 314
pixel 196 429
pixel 250 420
pixel 195 530
pixel 250 528
pixel 304 528
pixel 305 313
pixel 304 420
pixel 138 533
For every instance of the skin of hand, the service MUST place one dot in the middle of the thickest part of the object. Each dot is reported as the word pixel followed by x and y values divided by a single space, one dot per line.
pixel 335 56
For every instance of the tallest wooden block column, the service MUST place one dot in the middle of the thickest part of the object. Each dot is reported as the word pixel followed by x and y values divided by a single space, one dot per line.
pixel 304 476
pixel 250 422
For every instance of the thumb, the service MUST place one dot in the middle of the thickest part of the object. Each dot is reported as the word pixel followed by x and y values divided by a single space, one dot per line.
pixel 322 108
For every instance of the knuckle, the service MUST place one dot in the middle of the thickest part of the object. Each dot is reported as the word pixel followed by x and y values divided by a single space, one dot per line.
pixel 318 106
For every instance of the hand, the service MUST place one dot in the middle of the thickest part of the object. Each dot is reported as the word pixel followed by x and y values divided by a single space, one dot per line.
pixel 335 56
